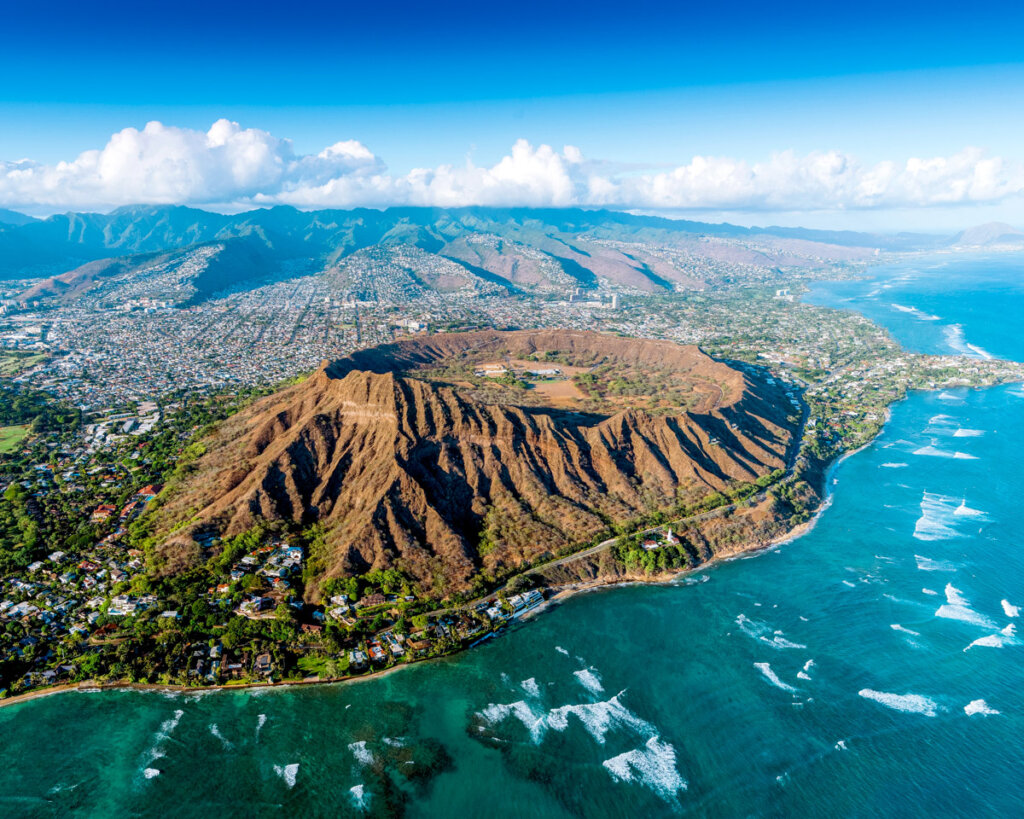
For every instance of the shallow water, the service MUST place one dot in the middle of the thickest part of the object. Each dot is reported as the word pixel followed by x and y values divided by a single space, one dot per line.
pixel 868 668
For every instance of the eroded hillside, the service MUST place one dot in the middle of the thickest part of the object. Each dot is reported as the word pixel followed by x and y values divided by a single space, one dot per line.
pixel 407 470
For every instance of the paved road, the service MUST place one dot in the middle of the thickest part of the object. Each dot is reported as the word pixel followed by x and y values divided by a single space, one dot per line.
pixel 604 544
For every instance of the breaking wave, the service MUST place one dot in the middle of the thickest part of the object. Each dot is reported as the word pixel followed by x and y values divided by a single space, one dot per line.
pixel 979 707
pixel 772 677
pixel 288 773
pixel 762 632
pixel 956 339
pixel 156 750
pixel 363 755
pixel 927 564
pixel 653 765
pixel 957 608
pixel 937 518
pixel 588 678
pixel 940 515
pixel 360 798
pixel 920 315
pixel 907 703
pixel 215 731
pixel 598 718
pixel 1010 610
pixel 1006 637
pixel 934 452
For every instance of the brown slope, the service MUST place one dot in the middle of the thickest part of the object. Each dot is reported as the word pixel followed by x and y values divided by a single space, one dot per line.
pixel 405 473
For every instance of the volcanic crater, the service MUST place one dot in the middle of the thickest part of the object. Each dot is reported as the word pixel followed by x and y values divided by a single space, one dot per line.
pixel 451 455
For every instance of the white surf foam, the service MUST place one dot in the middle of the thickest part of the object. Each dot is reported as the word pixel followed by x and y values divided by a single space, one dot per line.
pixel 530 687
pixel 1010 610
pixel 149 773
pixel 940 515
pixel 495 713
pixel 956 339
pixel 363 755
pixel 920 315
pixel 223 740
pixel 167 726
pixel 894 465
pixel 965 511
pixel 803 673
pixel 288 773
pixel 261 720
pixel 561 650
pixel 772 677
pixel 588 678
pixel 1006 637
pixel 968 433
pixel 930 591
pixel 360 798
pixel 927 564
pixel 653 766
pixel 937 518
pixel 841 745
pixel 762 632
pixel 957 608
pixel 898 627
pixel 908 703
pixel 598 718
pixel 934 452
pixel 156 751
pixel 979 707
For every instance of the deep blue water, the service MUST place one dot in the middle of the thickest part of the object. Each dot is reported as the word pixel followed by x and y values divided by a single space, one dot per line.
pixel 941 303
pixel 868 668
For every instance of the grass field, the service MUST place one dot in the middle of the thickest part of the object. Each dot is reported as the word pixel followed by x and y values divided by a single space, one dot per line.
pixel 13 363
pixel 11 438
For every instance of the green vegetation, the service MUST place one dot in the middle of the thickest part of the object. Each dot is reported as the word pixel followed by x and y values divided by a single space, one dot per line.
pixel 11 438
pixel 13 362
pixel 22 406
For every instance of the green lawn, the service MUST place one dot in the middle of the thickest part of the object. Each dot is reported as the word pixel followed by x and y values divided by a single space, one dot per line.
pixel 312 665
pixel 13 363
pixel 11 438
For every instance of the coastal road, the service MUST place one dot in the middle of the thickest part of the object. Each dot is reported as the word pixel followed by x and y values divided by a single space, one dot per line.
pixel 791 458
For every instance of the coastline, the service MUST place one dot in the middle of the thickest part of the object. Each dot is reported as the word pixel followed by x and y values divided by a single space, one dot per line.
pixel 559 596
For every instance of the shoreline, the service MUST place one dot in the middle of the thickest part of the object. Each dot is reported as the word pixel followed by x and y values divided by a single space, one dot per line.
pixel 559 596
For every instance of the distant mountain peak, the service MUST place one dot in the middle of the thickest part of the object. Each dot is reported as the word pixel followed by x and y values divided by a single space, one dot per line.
pixel 12 217
pixel 991 233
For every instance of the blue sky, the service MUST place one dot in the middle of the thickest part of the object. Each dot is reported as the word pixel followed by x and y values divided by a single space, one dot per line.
pixel 638 88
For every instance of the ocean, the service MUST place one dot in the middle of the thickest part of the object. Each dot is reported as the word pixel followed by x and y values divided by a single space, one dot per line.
pixel 871 667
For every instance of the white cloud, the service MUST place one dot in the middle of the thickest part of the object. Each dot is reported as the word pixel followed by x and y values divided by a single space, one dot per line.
pixel 230 166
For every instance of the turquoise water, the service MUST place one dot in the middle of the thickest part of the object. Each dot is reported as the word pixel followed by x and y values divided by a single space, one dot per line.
pixel 958 303
pixel 827 677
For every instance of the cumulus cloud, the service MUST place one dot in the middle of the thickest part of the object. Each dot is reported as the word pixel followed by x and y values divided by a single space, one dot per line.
pixel 231 166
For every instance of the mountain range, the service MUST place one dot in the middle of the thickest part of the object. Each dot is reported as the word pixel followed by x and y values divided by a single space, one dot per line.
pixel 511 249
